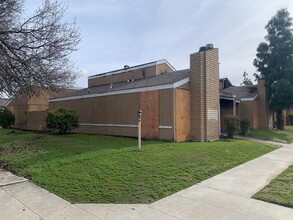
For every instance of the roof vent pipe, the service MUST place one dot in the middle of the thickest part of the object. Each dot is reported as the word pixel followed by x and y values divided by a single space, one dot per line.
pixel 126 67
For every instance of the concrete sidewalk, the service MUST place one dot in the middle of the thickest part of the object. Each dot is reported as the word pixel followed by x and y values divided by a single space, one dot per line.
pixel 225 196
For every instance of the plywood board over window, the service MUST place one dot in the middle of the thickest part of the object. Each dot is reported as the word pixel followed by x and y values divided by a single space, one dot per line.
pixel 149 104
pixel 166 114
pixel 182 115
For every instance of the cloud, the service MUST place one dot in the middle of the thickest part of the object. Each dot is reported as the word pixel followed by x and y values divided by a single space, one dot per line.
pixel 130 32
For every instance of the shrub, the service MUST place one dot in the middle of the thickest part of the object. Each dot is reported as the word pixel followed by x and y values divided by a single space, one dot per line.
pixel 291 118
pixel 231 124
pixel 62 120
pixel 6 118
pixel 244 126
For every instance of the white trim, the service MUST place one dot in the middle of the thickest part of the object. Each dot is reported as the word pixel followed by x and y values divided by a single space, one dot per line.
pixel 108 125
pixel 181 82
pixel 249 99
pixel 143 89
pixel 165 127
pixel 164 61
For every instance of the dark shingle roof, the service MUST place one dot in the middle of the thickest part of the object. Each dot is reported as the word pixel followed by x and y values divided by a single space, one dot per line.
pixel 242 92
pixel 163 79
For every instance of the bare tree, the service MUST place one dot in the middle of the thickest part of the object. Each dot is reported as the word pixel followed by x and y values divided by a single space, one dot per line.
pixel 34 51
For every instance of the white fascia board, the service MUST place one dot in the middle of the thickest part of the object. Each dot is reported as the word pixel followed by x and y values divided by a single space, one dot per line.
pixel 181 82
pixel 144 89
pixel 249 99
pixel 164 61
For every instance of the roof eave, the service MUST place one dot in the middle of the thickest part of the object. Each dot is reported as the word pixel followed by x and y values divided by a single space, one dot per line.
pixel 119 92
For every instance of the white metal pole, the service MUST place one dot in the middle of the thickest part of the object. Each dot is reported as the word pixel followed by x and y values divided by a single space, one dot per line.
pixel 139 129
pixel 139 134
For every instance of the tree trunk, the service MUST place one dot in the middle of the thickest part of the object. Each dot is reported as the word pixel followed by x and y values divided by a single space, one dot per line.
pixel 280 120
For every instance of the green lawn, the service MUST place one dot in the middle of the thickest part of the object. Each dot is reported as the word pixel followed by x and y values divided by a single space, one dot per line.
pixel 285 136
pixel 280 190
pixel 289 128
pixel 102 169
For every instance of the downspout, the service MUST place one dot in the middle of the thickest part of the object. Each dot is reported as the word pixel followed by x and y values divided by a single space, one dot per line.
pixel 174 114
pixel 234 105
pixel 219 117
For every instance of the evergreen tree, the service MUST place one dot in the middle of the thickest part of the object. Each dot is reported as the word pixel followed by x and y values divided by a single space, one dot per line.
pixel 246 81
pixel 274 62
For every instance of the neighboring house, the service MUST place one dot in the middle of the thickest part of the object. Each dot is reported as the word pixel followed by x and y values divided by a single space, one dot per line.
pixel 31 111
pixel 2 102
pixel 249 102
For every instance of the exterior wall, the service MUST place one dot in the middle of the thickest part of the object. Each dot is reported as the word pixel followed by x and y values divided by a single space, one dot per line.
pixel 123 77
pixel 110 115
pixel 226 109
pixel 182 115
pixel 117 115
pixel 163 68
pixel 24 108
pixel 249 110
pixel 36 120
pixel 265 115
pixel 129 75
pixel 221 85
pixel 20 112
pixel 166 114
pixel 204 92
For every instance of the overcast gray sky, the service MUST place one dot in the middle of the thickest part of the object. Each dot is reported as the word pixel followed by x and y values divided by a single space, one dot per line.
pixel 132 32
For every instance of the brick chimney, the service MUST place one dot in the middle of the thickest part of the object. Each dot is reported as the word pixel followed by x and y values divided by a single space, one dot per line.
pixel 204 94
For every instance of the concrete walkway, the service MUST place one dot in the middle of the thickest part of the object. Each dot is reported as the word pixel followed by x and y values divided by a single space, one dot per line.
pixel 225 196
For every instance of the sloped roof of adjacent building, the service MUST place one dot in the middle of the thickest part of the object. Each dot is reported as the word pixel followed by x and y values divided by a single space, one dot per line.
pixel 242 92
pixel 163 81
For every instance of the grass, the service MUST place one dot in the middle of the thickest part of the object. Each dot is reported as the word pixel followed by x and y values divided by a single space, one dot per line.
pixel 285 136
pixel 102 169
pixel 289 128
pixel 280 190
